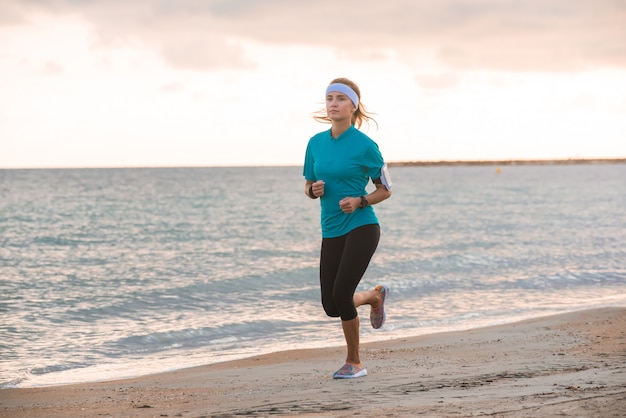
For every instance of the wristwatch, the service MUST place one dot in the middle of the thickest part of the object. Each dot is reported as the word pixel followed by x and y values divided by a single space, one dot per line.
pixel 363 202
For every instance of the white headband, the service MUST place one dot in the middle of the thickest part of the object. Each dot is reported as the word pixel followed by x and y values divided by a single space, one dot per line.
pixel 342 88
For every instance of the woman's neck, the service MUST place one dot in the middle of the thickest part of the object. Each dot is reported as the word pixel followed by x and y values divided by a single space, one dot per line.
pixel 339 127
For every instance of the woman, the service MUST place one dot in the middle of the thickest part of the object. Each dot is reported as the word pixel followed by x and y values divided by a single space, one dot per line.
pixel 338 165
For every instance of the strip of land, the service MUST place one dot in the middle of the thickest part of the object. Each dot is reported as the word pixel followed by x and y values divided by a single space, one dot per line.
pixel 570 161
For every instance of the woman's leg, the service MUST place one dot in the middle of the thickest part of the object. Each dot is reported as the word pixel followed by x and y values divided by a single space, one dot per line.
pixel 359 248
pixel 351 333
pixel 368 297
pixel 330 259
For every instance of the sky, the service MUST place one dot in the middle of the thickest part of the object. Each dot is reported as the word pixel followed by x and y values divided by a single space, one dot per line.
pixel 133 83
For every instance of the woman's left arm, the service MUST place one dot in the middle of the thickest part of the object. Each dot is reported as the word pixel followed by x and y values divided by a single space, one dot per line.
pixel 381 193
pixel 350 204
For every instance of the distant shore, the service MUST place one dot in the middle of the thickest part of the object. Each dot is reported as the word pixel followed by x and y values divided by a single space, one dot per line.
pixel 569 161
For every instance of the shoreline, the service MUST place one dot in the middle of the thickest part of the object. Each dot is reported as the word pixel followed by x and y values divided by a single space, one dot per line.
pixel 573 362
pixel 366 339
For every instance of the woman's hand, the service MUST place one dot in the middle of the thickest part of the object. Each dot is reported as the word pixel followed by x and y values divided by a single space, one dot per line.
pixel 349 204
pixel 318 188
pixel 314 190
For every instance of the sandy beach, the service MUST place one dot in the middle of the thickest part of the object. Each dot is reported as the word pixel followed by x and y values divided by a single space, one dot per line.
pixel 571 365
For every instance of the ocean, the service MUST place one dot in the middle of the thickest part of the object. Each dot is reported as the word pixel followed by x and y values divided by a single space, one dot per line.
pixel 113 273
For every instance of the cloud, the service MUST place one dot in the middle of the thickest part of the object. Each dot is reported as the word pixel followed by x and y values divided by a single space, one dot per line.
pixel 203 53
pixel 437 81
pixel 52 68
pixel 11 14
pixel 546 35
pixel 173 87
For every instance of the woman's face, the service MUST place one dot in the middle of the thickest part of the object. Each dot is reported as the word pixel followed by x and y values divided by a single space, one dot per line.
pixel 339 106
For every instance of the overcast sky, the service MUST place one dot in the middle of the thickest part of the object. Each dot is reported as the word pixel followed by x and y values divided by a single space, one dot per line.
pixel 234 82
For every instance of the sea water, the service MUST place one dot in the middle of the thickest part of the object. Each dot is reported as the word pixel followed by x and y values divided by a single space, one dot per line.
pixel 111 273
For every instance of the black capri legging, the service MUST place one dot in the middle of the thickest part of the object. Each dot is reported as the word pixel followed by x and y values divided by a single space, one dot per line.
pixel 343 261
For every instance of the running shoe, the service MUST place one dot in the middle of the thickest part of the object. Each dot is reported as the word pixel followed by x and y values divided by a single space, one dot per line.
pixel 378 315
pixel 350 371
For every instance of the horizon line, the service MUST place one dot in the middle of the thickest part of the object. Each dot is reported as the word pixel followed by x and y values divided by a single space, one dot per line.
pixel 407 163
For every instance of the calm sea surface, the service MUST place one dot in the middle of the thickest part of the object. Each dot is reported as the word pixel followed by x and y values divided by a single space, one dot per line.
pixel 110 273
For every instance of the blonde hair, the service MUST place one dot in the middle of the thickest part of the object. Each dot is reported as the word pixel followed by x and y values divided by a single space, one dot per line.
pixel 360 116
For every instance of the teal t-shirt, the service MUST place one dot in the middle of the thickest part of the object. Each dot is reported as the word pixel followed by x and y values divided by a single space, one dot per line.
pixel 345 164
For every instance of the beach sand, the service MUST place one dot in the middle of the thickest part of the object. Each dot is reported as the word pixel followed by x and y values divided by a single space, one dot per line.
pixel 569 365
